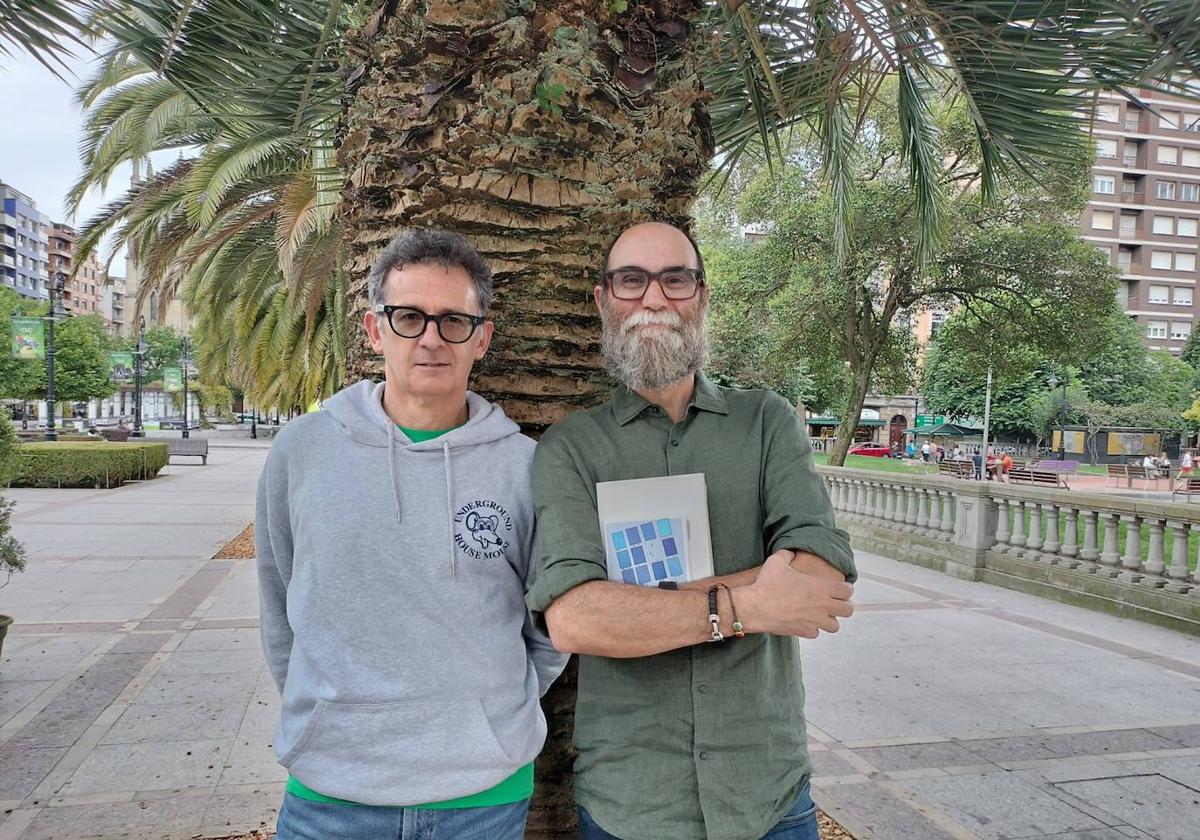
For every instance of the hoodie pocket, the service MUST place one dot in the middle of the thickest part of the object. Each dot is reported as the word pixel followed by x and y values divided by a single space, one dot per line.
pixel 405 738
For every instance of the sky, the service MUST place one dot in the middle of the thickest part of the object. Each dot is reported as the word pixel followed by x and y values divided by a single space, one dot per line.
pixel 39 137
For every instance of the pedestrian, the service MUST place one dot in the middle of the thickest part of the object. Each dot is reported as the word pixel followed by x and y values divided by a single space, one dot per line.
pixel 1186 463
pixel 690 717
pixel 926 450
pixel 394 532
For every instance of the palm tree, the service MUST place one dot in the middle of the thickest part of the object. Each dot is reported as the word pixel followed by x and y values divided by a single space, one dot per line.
pixel 238 228
pixel 541 127
pixel 48 30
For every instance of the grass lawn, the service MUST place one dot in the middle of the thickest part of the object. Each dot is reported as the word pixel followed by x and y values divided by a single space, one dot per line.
pixel 889 465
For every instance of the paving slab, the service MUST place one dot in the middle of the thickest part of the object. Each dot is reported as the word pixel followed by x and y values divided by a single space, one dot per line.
pixel 1160 807
pixel 134 700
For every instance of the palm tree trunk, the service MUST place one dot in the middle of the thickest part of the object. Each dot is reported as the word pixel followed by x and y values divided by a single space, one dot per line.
pixel 539 134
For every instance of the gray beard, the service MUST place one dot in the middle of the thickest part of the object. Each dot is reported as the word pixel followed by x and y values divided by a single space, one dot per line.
pixel 653 360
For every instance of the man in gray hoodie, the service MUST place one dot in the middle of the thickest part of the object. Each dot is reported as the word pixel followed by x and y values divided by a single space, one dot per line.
pixel 394 532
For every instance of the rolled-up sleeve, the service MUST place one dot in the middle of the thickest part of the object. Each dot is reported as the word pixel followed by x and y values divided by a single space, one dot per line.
pixel 569 550
pixel 798 513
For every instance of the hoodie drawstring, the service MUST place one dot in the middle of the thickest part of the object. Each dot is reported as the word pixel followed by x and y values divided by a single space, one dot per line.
pixel 392 470
pixel 450 508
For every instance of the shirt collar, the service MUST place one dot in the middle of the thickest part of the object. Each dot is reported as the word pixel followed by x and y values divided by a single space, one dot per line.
pixel 706 396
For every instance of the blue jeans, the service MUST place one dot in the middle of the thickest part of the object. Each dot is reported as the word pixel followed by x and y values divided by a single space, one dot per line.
pixel 800 823
pixel 303 819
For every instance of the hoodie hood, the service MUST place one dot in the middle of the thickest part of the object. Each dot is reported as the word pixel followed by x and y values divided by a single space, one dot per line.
pixel 358 412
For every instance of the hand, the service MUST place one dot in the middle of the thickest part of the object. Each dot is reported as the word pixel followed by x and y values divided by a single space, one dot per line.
pixel 787 603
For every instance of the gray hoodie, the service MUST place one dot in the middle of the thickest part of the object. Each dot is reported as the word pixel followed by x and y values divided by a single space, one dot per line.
pixel 392 578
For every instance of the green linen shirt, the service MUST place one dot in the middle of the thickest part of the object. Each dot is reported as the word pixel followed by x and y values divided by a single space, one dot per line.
pixel 707 741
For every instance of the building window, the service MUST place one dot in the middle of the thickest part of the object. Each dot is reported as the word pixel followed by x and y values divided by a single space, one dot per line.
pixel 1156 329
pixel 1169 120
pixel 1191 122
pixel 1160 259
pixel 1187 227
pixel 1164 225
pixel 1105 184
pixel 1165 190
pixel 1107 112
pixel 1157 294
pixel 1189 192
pixel 1102 219
pixel 1191 157
pixel 1181 296
pixel 1180 330
pixel 1106 149
pixel 1168 155
pixel 1185 262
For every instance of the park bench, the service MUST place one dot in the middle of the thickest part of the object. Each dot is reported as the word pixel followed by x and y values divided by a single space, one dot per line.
pixel 957 469
pixel 1187 488
pixel 188 447
pixel 1116 474
pixel 1038 477
pixel 1136 472
pixel 119 434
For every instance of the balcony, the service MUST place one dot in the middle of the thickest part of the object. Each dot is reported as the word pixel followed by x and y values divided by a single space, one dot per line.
pixel 1133 196
pixel 1133 124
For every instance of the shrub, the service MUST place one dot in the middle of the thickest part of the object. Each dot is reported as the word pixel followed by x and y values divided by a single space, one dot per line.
pixel 12 553
pixel 87 464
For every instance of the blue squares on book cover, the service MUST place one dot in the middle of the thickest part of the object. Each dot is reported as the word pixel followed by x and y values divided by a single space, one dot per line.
pixel 648 552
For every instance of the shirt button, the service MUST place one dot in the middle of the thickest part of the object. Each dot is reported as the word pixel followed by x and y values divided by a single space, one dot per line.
pixel 702 688
pixel 704 756
pixel 674 443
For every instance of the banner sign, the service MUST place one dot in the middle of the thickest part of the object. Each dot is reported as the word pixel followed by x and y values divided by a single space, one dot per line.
pixel 28 338
pixel 120 367
pixel 172 380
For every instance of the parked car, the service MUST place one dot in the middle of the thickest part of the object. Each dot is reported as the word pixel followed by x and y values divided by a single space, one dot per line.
pixel 871 450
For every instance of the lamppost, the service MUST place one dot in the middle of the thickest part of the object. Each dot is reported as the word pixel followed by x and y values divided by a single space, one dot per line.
pixel 55 287
pixel 139 355
pixel 184 360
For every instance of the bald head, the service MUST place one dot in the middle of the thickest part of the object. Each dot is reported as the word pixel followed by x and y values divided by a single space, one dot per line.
pixel 653 246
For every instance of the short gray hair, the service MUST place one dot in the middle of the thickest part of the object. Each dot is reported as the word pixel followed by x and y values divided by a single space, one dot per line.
pixel 430 245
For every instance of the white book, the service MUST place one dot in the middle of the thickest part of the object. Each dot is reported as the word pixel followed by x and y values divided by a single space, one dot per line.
pixel 655 529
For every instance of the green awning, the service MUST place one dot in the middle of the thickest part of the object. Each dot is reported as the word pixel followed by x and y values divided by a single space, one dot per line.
pixel 836 421
pixel 945 430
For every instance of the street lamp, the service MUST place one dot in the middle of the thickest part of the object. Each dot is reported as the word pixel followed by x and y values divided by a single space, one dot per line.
pixel 54 287
pixel 139 355
pixel 184 360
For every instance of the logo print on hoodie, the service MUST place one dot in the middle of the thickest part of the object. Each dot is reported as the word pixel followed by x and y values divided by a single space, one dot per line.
pixel 482 529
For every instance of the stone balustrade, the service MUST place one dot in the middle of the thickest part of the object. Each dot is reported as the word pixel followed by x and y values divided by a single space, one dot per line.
pixel 1125 555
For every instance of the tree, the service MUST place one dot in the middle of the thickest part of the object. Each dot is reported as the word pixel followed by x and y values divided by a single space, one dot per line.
pixel 81 361
pixel 18 377
pixel 1017 263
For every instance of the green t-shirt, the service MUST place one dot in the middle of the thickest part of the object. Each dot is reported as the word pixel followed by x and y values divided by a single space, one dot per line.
pixel 515 788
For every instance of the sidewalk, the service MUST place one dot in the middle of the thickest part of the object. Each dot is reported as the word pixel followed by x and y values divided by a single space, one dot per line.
pixel 134 703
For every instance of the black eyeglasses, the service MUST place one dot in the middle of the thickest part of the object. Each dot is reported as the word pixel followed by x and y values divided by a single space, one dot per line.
pixel 410 322
pixel 677 283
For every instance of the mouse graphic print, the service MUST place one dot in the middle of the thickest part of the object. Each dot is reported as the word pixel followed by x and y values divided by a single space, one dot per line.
pixel 482 529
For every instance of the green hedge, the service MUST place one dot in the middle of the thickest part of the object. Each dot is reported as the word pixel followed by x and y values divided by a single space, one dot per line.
pixel 69 464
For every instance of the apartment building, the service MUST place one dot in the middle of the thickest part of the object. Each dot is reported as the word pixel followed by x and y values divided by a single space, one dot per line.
pixel 24 244
pixel 1144 211
pixel 112 305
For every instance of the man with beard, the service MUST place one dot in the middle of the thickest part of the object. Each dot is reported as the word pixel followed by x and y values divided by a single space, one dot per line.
pixel 686 727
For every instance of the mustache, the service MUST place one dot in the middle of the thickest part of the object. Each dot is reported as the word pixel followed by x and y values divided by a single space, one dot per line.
pixel 644 317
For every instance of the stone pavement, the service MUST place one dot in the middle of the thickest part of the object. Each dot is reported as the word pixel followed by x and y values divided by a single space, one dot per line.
pixel 134 703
